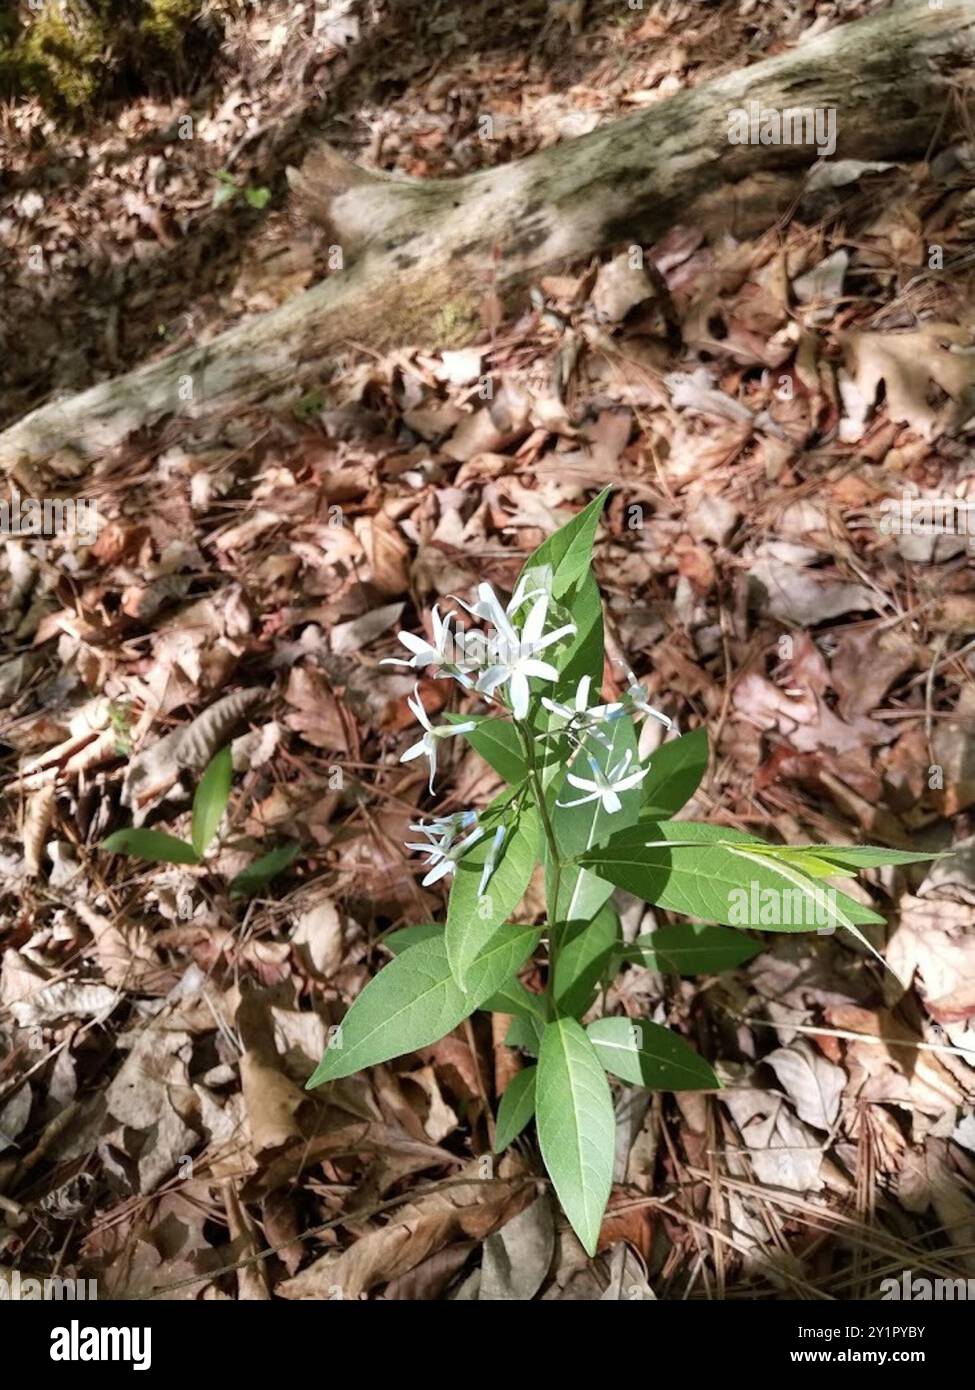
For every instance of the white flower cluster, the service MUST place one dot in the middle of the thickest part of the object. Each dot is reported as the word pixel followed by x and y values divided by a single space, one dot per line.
pixel 444 850
pixel 509 657
pixel 583 720
pixel 506 660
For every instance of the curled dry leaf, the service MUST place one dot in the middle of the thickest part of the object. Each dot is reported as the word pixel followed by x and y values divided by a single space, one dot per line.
pixel 517 1257
pixel 387 552
pixel 154 770
pixel 812 1082
pixel 934 940
pixel 144 1096
pixel 33 999
pixel 782 1151
pixel 910 365
pixel 37 820
pixel 319 939
pixel 414 1233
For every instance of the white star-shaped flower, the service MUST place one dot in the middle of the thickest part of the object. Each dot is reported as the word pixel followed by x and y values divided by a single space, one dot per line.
pixel 578 715
pixel 427 746
pixel 489 606
pixel 638 698
pixel 606 786
pixel 443 850
pixel 441 651
pixel 491 862
pixel 517 654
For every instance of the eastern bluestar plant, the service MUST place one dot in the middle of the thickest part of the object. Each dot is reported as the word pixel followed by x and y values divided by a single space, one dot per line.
pixel 579 801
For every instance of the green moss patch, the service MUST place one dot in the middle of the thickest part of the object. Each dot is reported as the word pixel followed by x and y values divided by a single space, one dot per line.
pixel 73 53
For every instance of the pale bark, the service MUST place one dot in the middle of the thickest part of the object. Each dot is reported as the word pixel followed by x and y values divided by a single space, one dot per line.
pixel 421 255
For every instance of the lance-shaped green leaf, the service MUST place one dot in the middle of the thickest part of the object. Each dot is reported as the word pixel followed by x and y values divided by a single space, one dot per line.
pixel 584 654
pixel 710 872
pixel 514 998
pixel 568 551
pixel 676 769
pixel 498 743
pixel 472 916
pixel 829 908
pixel 854 857
pixel 415 1001
pixel 690 948
pixel 258 875
pixel 211 799
pixel 576 1126
pixel 399 941
pixel 154 845
pixel 578 828
pixel 584 953
pixel 567 554
pixel 690 871
pixel 516 1108
pixel 525 1033
pixel 644 1054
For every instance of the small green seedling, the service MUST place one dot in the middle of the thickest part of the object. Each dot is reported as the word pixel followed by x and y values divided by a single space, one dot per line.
pixel 209 804
pixel 228 189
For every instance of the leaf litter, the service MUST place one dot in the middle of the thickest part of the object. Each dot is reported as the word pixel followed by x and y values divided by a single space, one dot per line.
pixel 155 1035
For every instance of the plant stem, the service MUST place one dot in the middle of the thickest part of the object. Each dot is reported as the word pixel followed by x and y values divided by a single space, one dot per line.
pixel 553 848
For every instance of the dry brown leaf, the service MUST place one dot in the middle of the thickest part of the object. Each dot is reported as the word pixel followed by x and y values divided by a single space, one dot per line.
pixel 319 938
pixel 810 1080
pixel 934 941
pixel 317 715
pixel 619 288
pixel 144 1096
pixel 155 769
pixel 415 1233
pixel 783 1151
pixel 386 551
pixel 517 1257
pixel 37 820
pixel 911 365
pixel 34 999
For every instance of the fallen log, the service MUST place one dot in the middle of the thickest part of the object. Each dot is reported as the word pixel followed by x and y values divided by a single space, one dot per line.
pixel 421 255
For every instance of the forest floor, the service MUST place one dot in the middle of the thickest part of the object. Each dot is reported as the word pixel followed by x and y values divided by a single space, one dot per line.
pixel 156 1033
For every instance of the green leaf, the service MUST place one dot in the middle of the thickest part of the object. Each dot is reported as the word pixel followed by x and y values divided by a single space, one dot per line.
pixel 498 743
pixel 576 1126
pixel 211 799
pixel 644 1054
pixel 584 654
pixel 154 845
pixel 514 998
pixel 258 875
pixel 568 551
pixel 689 948
pixel 584 954
pixel 525 1034
pixel 850 856
pixel 472 917
pixel 704 871
pixel 580 828
pixel 398 941
pixel 831 908
pixel 516 1108
pixel 676 769
pixel 415 1001
pixel 257 197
